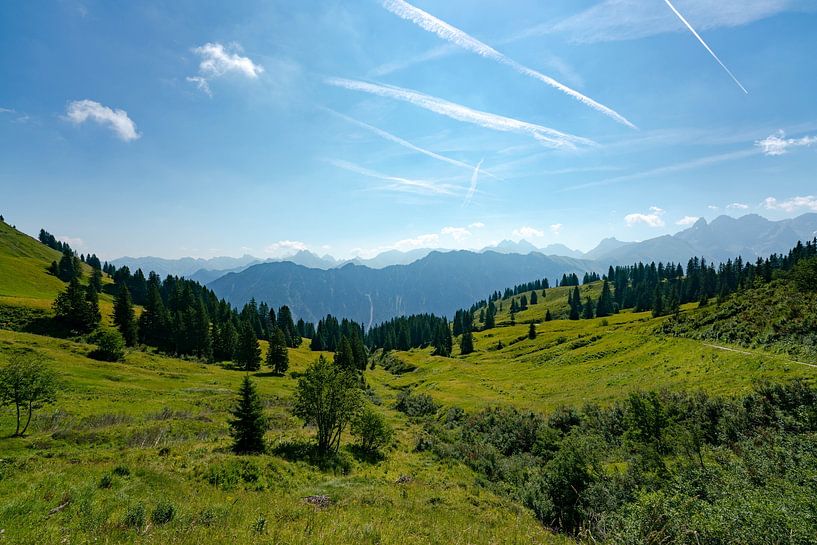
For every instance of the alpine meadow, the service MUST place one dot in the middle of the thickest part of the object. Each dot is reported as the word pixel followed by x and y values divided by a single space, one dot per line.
pixel 408 272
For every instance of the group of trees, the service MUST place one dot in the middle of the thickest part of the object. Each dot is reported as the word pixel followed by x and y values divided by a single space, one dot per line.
pixel 604 306
pixel 415 331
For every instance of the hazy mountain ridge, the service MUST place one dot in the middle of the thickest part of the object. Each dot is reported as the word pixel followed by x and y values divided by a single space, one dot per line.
pixel 439 283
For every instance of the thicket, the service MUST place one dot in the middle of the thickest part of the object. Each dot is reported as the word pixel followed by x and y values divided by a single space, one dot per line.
pixel 658 467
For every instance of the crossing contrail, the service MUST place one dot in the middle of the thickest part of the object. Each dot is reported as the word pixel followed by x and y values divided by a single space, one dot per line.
pixel 703 43
pixel 456 36
pixel 473 188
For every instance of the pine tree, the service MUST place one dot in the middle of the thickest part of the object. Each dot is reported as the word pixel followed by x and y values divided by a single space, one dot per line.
pixel 225 339
pixel 248 424
pixel 96 279
pixel 277 353
pixel 154 321
pixel 123 315
pixel 533 298
pixel 78 307
pixel 658 303
pixel 548 316
pixel 248 352
pixel 344 357
pixel 575 302
pixel 467 343
pixel 587 309
pixel 532 331
pixel 605 304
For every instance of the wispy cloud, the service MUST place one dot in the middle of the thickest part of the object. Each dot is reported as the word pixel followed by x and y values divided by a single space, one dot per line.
pixel 456 36
pixel 778 144
pixel 429 55
pixel 528 232
pixel 397 183
pixel 406 144
pixel 556 228
pixel 80 111
pixel 476 225
pixel 807 202
pixel 545 135
pixel 737 206
pixel 457 233
pixel 653 219
pixel 218 60
pixel 687 220
pixel 611 20
pixel 473 187
pixel 703 43
pixel 670 169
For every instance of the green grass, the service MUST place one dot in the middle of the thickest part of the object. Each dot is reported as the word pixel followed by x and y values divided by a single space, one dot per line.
pixel 165 419
pixel 112 414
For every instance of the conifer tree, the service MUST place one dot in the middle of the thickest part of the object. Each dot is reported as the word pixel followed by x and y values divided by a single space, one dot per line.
pixel 78 307
pixel 532 331
pixel 123 315
pixel 154 321
pixel 575 301
pixel 605 304
pixel 248 424
pixel 277 353
pixel 344 357
pixel 533 298
pixel 587 309
pixel 548 316
pixel 467 343
pixel 658 303
pixel 248 352
pixel 96 279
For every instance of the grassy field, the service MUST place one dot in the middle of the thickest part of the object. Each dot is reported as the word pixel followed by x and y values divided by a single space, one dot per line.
pixel 125 437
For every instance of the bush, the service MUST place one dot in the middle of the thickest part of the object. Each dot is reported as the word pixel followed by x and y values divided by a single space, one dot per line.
pixel 372 430
pixel 106 481
pixel 110 346
pixel 163 513
pixel 135 516
pixel 121 471
pixel 417 405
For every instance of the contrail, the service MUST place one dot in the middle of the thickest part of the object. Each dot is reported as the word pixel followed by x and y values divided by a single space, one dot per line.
pixel 397 182
pixel 545 135
pixel 703 43
pixel 473 188
pixel 406 144
pixel 456 36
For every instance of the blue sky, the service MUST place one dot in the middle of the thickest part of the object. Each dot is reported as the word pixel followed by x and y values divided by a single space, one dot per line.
pixel 212 128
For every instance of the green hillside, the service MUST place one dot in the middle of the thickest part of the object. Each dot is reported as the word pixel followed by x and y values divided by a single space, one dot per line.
pixel 151 432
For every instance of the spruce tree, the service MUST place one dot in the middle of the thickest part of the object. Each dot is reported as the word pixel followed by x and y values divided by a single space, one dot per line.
pixel 575 302
pixel 96 279
pixel 277 353
pixel 344 357
pixel 658 303
pixel 248 424
pixel 248 352
pixel 123 315
pixel 467 343
pixel 605 304
pixel 548 316
pixel 533 298
pixel 532 331
pixel 587 309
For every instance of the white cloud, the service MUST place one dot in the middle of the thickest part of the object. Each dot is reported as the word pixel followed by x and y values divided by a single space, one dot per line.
pixel 528 232
pixel 456 36
pixel 737 206
pixel 687 220
pixel 457 233
pixel 653 219
pixel 556 228
pixel 778 144
pixel 476 225
pixel 431 239
pixel 7 111
pixel 216 61
pixel 808 202
pixel 713 207
pixel 80 111
pixel 285 246
pixel 545 135
pixel 201 83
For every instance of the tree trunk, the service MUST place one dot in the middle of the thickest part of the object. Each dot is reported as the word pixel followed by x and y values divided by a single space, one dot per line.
pixel 17 431
pixel 28 421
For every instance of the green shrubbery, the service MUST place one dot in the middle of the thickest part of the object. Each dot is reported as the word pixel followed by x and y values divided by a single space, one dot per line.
pixel 415 405
pixel 658 467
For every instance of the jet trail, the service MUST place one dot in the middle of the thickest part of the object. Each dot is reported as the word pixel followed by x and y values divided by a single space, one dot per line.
pixel 428 22
pixel 473 188
pixel 703 43
pixel 545 135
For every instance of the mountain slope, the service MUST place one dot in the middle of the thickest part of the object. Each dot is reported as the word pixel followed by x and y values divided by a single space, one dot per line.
pixel 440 283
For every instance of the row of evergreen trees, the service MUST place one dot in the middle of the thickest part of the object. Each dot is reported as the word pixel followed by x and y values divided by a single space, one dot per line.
pixel 415 331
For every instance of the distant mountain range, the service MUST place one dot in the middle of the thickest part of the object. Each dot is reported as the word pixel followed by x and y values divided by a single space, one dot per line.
pixel 441 281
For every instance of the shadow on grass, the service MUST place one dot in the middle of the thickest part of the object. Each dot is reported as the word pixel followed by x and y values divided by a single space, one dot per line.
pixel 365 456
pixel 303 451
